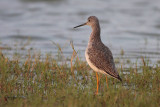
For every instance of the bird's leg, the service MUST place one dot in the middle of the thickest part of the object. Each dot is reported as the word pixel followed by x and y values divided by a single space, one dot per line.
pixel 97 82
pixel 107 82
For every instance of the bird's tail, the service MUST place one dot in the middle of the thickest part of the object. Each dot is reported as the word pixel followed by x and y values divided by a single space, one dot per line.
pixel 119 78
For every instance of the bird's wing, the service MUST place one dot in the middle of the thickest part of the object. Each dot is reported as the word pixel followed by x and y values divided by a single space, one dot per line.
pixel 102 58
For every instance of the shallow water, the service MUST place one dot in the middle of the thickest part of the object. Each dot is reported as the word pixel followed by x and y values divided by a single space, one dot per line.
pixel 133 26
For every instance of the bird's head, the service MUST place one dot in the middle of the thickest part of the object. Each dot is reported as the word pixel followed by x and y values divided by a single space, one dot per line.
pixel 92 21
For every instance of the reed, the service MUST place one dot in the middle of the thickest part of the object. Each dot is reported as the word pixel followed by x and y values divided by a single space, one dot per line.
pixel 48 82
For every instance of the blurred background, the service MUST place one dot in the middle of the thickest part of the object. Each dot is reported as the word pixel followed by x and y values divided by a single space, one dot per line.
pixel 130 28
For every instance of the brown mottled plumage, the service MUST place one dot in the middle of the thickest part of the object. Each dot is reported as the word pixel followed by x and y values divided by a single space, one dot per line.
pixel 99 56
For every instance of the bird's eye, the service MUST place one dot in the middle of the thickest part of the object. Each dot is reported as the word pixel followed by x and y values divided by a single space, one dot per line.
pixel 89 20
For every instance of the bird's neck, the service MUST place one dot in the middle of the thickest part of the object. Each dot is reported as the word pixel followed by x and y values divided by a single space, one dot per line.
pixel 95 35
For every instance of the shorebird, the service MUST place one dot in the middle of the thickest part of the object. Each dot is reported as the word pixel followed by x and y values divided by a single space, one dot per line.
pixel 98 56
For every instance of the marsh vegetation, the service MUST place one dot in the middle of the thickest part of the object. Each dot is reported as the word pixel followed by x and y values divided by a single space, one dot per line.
pixel 69 81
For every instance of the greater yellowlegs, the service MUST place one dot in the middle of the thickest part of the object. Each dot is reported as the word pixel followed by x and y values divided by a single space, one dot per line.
pixel 99 56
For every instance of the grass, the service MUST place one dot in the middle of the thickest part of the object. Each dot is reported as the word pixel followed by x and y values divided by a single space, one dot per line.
pixel 59 81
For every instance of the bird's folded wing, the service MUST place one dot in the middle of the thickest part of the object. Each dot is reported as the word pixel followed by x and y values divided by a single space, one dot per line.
pixel 102 58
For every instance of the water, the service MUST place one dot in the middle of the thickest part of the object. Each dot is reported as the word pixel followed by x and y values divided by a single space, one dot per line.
pixel 133 26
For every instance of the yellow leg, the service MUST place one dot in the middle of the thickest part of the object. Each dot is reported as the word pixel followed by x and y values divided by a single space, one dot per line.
pixel 107 82
pixel 97 82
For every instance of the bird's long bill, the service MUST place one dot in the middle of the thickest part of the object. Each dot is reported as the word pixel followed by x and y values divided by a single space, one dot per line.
pixel 80 25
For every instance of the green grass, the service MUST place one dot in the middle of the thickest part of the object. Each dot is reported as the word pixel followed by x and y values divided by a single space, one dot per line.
pixel 58 81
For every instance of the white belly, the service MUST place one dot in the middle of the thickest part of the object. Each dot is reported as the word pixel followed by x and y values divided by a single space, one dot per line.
pixel 92 65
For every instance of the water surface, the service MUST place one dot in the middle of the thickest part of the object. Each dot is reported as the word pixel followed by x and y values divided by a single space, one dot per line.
pixel 133 26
